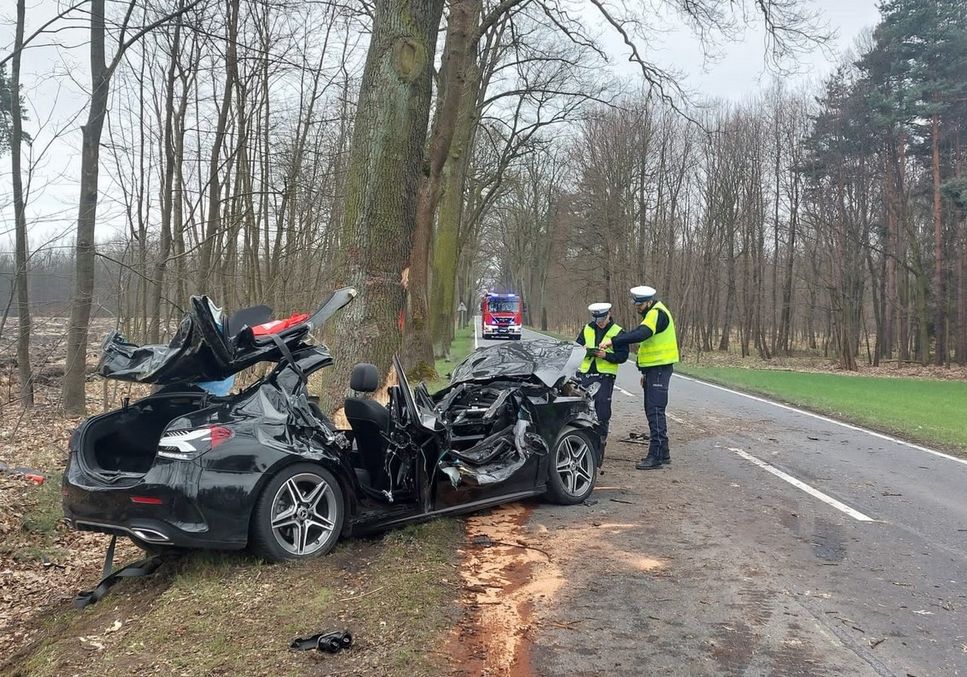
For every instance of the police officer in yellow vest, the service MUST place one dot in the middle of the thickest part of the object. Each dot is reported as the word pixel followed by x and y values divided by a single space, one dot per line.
pixel 657 352
pixel 601 365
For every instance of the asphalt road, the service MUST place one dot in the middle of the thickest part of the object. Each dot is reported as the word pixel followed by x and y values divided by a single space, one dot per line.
pixel 776 543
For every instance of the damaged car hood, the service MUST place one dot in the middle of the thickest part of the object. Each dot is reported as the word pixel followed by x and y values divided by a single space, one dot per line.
pixel 545 361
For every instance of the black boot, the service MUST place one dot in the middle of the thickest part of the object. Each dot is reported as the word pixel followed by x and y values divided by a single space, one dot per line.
pixel 666 456
pixel 648 462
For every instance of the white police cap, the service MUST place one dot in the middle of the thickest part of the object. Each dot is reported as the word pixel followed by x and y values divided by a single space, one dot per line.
pixel 643 293
pixel 599 309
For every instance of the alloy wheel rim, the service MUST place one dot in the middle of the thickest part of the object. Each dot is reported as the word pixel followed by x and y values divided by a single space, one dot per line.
pixel 574 465
pixel 303 514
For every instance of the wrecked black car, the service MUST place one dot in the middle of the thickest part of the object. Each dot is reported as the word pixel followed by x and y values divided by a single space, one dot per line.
pixel 192 466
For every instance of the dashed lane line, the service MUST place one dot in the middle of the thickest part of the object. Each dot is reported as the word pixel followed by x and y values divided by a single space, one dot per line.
pixel 799 484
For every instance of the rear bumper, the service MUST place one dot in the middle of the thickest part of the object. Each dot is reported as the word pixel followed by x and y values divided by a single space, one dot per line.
pixel 154 532
pixel 172 518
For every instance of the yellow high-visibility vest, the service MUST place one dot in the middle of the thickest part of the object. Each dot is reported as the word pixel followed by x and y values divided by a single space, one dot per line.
pixel 601 364
pixel 662 347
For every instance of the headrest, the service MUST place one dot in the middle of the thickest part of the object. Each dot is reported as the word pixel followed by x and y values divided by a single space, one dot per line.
pixel 364 378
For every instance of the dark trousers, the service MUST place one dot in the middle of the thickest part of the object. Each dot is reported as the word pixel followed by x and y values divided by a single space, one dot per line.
pixel 602 399
pixel 655 385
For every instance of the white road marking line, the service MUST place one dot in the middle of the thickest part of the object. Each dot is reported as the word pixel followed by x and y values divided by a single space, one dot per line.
pixel 624 391
pixel 675 418
pixel 475 333
pixel 816 493
pixel 857 428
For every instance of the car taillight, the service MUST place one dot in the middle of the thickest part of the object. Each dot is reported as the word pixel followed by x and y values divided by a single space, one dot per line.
pixel 220 434
pixel 146 500
pixel 189 444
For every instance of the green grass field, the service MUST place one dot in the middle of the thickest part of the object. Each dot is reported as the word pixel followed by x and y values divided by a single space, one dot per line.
pixel 929 411
pixel 461 347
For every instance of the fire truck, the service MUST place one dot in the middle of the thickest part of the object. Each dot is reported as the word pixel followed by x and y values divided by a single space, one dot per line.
pixel 501 316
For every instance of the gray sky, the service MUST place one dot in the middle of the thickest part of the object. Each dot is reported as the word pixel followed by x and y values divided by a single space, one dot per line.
pixel 55 81
pixel 736 70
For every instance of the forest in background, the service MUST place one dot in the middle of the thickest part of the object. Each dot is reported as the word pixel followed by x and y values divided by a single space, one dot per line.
pixel 267 151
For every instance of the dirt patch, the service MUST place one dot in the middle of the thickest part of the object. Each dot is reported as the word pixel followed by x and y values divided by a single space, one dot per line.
pixel 230 614
pixel 42 562
pixel 513 571
pixel 504 573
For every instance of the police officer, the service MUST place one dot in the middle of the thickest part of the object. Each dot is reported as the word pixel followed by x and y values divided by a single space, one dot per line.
pixel 600 365
pixel 657 352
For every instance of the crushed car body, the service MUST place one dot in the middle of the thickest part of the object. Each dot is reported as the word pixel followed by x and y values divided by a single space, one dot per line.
pixel 192 466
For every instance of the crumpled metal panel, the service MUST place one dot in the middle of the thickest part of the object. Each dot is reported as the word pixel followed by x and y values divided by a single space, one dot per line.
pixel 503 452
pixel 201 351
pixel 545 362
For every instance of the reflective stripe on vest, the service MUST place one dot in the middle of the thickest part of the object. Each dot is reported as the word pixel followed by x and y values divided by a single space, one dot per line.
pixel 660 348
pixel 602 365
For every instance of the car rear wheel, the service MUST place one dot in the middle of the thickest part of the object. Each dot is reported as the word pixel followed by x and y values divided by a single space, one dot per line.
pixel 574 469
pixel 299 514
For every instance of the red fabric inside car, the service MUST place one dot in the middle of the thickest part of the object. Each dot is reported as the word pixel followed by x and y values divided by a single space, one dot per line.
pixel 276 326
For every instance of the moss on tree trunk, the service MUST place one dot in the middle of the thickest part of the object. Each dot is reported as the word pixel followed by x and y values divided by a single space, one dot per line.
pixel 382 180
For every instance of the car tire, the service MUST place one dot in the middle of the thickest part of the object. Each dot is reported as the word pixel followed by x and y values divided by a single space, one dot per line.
pixel 298 515
pixel 573 470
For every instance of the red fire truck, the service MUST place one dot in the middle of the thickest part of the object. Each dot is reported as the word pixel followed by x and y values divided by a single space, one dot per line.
pixel 501 315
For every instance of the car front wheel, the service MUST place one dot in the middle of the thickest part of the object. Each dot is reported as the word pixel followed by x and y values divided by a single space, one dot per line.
pixel 574 469
pixel 299 514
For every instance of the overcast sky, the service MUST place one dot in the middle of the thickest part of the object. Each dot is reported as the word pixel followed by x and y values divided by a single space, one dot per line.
pixel 55 80
pixel 739 69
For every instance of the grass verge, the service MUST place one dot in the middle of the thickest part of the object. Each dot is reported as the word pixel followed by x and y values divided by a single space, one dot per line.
pixel 230 614
pixel 929 411
pixel 461 346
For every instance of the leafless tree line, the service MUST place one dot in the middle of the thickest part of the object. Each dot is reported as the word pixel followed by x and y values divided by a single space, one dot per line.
pixel 265 151
pixel 759 226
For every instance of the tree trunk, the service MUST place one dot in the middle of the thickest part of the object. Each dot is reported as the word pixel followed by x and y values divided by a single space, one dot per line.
pixel 729 298
pixel 962 297
pixel 21 279
pixel 382 181
pixel 446 248
pixel 939 324
pixel 210 231
pixel 74 375
pixel 785 321
pixel 417 338
pixel 20 220
pixel 168 132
